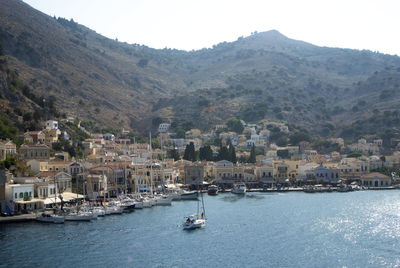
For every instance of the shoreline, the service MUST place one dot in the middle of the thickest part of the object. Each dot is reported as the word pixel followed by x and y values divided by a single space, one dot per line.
pixel 32 216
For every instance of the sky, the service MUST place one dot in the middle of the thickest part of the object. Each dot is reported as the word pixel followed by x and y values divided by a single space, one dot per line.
pixel 191 25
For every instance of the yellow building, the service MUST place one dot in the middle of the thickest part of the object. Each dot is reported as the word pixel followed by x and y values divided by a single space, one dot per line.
pixel 51 135
pixel 59 166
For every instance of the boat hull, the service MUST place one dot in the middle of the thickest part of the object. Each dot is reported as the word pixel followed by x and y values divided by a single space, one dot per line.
pixel 200 223
pixel 189 196
pixel 239 188
pixel 50 219
pixel 164 202
pixel 78 217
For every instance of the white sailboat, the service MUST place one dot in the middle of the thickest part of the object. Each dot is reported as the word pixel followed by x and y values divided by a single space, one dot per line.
pixel 197 220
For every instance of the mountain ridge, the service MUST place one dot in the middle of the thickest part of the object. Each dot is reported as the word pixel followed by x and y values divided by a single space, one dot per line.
pixel 264 75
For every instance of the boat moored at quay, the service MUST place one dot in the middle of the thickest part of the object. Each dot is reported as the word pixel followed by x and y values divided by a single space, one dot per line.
pixel 239 188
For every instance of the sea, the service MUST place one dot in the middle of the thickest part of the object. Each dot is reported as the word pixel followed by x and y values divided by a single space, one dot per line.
pixel 354 229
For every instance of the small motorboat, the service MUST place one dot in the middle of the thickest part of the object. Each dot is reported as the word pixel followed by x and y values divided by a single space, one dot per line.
pixel 212 190
pixel 239 188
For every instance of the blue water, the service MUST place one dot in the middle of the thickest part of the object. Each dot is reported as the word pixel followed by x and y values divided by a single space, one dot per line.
pixel 357 229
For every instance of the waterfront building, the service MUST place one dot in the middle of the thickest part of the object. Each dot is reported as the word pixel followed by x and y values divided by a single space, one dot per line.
pixel 228 173
pixel 375 179
pixel 20 197
pixel 265 174
pixel 353 168
pixel 306 170
pixel 194 174
pixel 327 175
pixel 281 172
pixel 44 189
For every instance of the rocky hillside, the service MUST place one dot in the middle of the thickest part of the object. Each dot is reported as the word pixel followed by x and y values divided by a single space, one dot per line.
pixel 265 75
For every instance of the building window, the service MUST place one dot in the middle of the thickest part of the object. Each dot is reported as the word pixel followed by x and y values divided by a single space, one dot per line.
pixel 21 195
pixel 16 195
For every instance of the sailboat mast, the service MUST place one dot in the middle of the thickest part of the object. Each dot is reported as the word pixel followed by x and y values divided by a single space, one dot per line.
pixel 126 191
pixel 55 192
pixel 136 180
pixel 151 167
pixel 202 204
pixel 162 167
pixel 104 184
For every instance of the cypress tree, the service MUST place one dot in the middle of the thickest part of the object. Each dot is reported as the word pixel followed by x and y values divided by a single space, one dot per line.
pixel 252 158
pixel 232 154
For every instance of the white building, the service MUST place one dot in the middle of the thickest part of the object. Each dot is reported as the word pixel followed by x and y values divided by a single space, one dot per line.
pixel 164 127
pixel 51 124
pixel 19 197
pixel 108 137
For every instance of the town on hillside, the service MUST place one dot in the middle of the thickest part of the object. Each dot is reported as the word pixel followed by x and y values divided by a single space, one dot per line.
pixel 48 163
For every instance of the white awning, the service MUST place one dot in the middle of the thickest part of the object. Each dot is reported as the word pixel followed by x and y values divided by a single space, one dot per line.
pixel 67 196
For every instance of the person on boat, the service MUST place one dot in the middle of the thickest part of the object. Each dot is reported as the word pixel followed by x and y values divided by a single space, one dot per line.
pixel 202 215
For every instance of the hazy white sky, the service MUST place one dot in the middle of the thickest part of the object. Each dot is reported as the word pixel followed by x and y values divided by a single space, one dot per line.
pixel 187 24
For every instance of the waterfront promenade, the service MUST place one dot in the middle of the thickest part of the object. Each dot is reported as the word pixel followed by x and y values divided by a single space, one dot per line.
pixel 18 218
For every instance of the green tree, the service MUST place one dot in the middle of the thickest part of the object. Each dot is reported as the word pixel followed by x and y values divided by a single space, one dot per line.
pixel 173 153
pixel 180 132
pixel 206 153
pixel 252 158
pixel 282 141
pixel 298 136
pixel 243 159
pixel 283 153
pixel 8 130
pixel 235 125
pixel 223 153
pixel 190 153
pixel 232 154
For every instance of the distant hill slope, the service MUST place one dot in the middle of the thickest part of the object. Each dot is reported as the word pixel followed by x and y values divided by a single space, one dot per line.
pixel 265 75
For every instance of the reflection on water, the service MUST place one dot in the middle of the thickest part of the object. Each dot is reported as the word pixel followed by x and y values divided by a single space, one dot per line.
pixel 229 197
